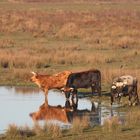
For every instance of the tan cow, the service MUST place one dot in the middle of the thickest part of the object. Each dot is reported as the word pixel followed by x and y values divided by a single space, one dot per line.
pixel 47 82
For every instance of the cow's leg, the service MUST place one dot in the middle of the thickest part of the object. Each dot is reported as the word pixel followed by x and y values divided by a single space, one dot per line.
pixel 74 94
pixel 130 98
pixel 93 88
pixel 119 99
pixel 75 104
pixel 136 100
pixel 135 94
pixel 74 98
pixel 46 97
pixel 99 89
pixel 93 108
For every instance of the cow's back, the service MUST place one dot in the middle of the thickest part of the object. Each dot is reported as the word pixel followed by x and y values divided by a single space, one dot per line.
pixel 59 80
pixel 126 80
pixel 83 79
pixel 52 81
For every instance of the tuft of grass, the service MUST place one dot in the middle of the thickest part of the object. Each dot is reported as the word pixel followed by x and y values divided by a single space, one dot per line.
pixel 15 132
pixel 48 130
pixel 79 124
pixel 112 125
pixel 133 117
pixel 70 30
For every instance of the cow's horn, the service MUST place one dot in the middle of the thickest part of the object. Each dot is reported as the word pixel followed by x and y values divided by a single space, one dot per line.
pixel 34 73
pixel 62 88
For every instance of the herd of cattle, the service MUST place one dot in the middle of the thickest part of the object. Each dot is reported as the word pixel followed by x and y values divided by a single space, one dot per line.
pixel 68 82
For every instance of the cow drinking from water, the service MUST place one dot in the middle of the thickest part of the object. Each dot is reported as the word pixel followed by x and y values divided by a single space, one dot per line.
pixel 84 79
pixel 124 86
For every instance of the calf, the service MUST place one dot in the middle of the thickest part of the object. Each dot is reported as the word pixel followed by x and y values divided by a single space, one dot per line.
pixel 46 82
pixel 85 79
pixel 124 86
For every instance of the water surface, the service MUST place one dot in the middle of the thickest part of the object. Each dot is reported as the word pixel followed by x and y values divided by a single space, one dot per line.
pixel 16 103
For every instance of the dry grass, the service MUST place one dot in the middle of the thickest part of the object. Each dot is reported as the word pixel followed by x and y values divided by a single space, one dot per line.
pixel 33 39
pixel 15 132
pixel 112 125
pixel 133 117
pixel 48 130
pixel 70 30
pixel 79 124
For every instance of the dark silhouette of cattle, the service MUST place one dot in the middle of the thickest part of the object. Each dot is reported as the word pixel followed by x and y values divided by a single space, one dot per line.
pixel 84 79
pixel 125 86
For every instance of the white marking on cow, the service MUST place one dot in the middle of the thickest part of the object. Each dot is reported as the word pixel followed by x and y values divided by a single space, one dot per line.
pixel 119 84
pixel 113 87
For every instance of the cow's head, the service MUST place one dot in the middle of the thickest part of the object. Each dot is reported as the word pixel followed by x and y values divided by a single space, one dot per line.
pixel 116 91
pixel 67 91
pixel 35 78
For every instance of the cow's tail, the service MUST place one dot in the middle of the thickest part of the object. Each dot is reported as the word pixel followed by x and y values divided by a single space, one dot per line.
pixel 136 91
pixel 99 85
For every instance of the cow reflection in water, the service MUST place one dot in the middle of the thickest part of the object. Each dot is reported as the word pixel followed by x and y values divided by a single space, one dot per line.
pixel 50 113
pixel 65 114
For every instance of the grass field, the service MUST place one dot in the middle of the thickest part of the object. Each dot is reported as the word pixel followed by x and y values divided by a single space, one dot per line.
pixel 56 35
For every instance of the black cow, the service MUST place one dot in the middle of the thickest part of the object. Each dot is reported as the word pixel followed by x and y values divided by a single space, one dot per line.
pixel 124 86
pixel 85 79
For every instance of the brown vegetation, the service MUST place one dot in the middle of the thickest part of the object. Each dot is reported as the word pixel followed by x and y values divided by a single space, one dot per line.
pixel 105 36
